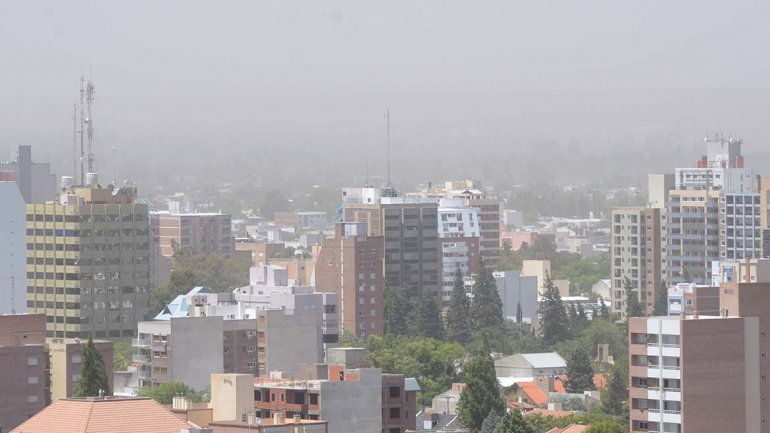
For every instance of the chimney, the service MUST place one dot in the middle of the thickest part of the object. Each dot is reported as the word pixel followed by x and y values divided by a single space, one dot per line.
pixel 545 383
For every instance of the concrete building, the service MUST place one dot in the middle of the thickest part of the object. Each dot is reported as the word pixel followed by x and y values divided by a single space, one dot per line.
pixel 302 220
pixel 540 269
pixel 34 179
pixel 13 277
pixel 459 243
pixel 208 233
pixel 24 381
pixel 351 266
pixel 517 290
pixel 742 271
pixel 512 219
pixel 687 298
pixel 66 358
pixel 88 263
pixel 740 226
pixel 488 205
pixel 635 254
pixel 531 365
pixel 351 397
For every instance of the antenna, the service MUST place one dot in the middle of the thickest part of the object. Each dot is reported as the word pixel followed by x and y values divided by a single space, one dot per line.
pixel 81 131
pixel 13 292
pixel 90 121
pixel 75 142
pixel 387 117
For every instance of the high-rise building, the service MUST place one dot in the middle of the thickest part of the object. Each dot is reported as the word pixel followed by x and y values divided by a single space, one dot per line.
pixel 458 232
pixel 635 254
pixel 13 282
pixel 88 263
pixel 351 265
pixel 692 235
pixel 208 233
pixel 34 179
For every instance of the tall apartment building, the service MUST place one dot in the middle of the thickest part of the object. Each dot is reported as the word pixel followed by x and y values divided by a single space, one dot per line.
pixel 635 253
pixel 692 239
pixel 351 266
pixel 740 226
pixel 763 188
pixel 459 243
pixel 488 205
pixel 208 233
pixel 683 367
pixel 410 231
pixel 13 280
pixel 24 388
pixel 88 264
pixel 34 179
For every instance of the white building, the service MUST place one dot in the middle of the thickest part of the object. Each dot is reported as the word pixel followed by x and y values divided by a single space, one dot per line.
pixel 458 232
pixel 13 253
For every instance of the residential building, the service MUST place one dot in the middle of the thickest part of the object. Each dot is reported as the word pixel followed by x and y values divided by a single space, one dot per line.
pixel 635 255
pixel 208 233
pixel 741 271
pixel 459 244
pixel 540 269
pixel 688 298
pixel 86 415
pixel 88 263
pixel 302 220
pixel 692 239
pixel 24 381
pixel 350 265
pixel 66 360
pixel 531 365
pixel 517 291
pixel 34 179
pixel 740 226
pixel 512 219
pixel 13 276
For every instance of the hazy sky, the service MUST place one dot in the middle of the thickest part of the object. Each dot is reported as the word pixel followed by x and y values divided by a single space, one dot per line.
pixel 320 73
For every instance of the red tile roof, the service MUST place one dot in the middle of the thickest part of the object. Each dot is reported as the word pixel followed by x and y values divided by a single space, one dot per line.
pixel 533 393
pixel 109 415
pixel 572 428
pixel 600 381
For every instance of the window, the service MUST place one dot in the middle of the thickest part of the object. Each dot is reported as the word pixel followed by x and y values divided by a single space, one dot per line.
pixel 32 399
pixel 32 360
pixel 76 359
pixel 395 412
pixel 75 377
pixel 33 380
pixel 394 392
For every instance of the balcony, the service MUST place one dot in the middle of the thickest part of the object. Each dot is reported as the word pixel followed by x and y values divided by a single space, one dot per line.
pixel 140 342
pixel 140 358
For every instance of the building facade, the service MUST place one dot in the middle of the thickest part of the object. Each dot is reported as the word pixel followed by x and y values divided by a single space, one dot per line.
pixel 88 263
pixel 13 280
pixel 207 233
pixel 34 179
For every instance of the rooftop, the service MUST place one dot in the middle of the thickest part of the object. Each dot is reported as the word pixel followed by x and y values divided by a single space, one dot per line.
pixel 544 360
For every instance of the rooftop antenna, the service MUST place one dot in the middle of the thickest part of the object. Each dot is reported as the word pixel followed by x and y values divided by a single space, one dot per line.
pixel 90 121
pixel 75 142
pixel 387 117
pixel 82 132
pixel 13 292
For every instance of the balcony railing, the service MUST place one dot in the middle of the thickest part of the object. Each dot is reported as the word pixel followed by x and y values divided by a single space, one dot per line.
pixel 140 358
pixel 140 342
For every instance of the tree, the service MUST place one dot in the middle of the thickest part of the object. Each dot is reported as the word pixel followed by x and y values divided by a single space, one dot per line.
pixel 513 422
pixel 581 318
pixel 580 372
pixel 398 311
pixel 553 317
pixel 165 393
pixel 429 317
pixel 481 394
pixel 487 308
pixel 93 379
pixel 121 355
pixel 604 311
pixel 458 321
pixel 490 422
pixel 661 303
pixel 615 394
pixel 633 306
pixel 350 339
pixel 605 427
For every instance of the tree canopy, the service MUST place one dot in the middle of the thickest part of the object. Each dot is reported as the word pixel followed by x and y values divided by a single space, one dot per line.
pixel 481 394
pixel 554 322
pixel 486 309
pixel 458 321
pixel 580 373
pixel 513 422
pixel 165 393
pixel 429 323
pixel 634 308
pixel 93 378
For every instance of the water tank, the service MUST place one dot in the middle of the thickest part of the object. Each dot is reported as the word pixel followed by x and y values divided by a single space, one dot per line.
pixel 66 182
pixel 92 179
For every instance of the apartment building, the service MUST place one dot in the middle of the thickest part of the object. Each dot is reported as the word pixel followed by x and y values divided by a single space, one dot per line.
pixel 24 388
pixel 635 254
pixel 692 239
pixel 88 262
pixel 208 233
pixel 688 298
pixel 673 361
pixel 344 392
pixel 351 266
pixel 740 226
pixel 459 243
pixel 488 206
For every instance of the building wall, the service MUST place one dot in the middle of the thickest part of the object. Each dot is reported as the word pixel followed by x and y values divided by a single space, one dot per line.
pixel 88 268
pixel 196 350
pixel 13 279
pixel 514 288
pixel 692 235
pixel 456 253
pixel 240 346
pixel 207 233
pixel 740 226
pixel 353 406
pixel 538 269
pixel 291 340
pixel 66 360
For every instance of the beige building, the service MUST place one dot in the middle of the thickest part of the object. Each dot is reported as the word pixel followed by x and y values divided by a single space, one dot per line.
pixel 66 359
pixel 539 269
pixel 88 263
pixel 208 233
pixel 636 254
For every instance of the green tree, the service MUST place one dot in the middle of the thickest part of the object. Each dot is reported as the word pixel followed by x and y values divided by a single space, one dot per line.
pixel 481 394
pixel 429 317
pixel 121 357
pixel 513 422
pixel 661 303
pixel 458 323
pixel 605 427
pixel 398 311
pixel 93 376
pixel 486 309
pixel 165 393
pixel 580 372
pixel 553 318
pixel 350 339
pixel 581 318
pixel 604 311
pixel 490 422
pixel 633 306
pixel 615 394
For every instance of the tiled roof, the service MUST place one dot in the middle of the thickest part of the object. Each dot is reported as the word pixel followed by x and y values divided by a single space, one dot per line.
pixel 534 393
pixel 107 415
pixel 179 307
pixel 600 380
pixel 572 428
